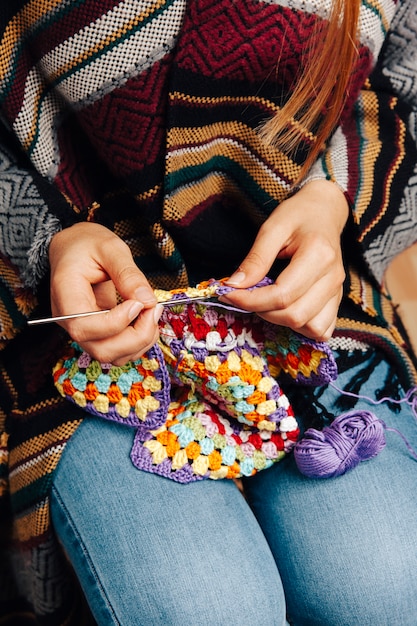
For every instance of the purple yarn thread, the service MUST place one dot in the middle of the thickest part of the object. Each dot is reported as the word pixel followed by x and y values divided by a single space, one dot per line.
pixel 351 438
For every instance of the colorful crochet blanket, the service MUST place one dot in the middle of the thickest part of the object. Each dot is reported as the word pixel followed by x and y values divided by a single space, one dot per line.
pixel 205 400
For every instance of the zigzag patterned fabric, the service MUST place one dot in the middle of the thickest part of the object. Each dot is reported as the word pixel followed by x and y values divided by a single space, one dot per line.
pixel 401 69
pixel 143 115
pixel 129 74
pixel 205 401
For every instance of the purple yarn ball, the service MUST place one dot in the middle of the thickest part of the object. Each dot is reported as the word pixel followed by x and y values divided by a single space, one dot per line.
pixel 351 438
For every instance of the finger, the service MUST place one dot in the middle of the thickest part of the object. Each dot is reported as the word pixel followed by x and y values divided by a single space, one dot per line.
pixel 107 325
pixel 71 294
pixel 258 261
pixel 105 295
pixel 317 323
pixel 321 327
pixel 304 284
pixel 130 343
pixel 75 292
pixel 313 261
pixel 129 281
pixel 134 356
pixel 311 264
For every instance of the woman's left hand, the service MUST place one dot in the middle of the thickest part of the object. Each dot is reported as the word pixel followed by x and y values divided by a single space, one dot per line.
pixel 306 229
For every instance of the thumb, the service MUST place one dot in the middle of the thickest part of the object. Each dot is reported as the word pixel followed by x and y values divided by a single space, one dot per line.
pixel 127 278
pixel 256 264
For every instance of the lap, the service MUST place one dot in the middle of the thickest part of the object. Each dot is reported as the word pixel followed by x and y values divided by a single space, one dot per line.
pixel 346 547
pixel 148 550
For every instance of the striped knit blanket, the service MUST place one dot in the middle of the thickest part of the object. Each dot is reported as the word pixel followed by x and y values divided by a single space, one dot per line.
pixel 143 116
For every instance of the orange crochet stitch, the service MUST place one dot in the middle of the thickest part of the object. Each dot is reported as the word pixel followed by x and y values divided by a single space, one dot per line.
pixel 205 400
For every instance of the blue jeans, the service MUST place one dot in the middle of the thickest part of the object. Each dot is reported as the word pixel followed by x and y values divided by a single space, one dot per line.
pixel 326 552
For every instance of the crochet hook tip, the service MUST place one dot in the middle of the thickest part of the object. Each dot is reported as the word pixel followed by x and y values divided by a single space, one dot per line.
pixel 60 318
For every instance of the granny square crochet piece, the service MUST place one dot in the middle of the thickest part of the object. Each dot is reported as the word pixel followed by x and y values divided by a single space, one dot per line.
pixel 197 441
pixel 136 394
pixel 205 400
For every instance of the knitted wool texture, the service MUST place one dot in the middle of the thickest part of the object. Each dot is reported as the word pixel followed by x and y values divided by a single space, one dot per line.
pixel 145 117
pixel 205 401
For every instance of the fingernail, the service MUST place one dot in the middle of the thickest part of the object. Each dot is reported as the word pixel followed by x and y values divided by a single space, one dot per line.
pixel 145 295
pixel 237 278
pixel 134 310
pixel 157 312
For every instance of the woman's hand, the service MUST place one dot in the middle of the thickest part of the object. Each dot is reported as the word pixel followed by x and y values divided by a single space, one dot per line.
pixel 89 265
pixel 306 228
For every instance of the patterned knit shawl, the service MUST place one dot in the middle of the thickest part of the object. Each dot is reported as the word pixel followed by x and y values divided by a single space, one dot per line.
pixel 143 115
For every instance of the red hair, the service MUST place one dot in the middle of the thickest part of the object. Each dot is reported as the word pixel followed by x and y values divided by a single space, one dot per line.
pixel 321 87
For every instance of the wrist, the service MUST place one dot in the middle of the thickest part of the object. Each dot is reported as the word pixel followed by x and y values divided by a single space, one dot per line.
pixel 328 196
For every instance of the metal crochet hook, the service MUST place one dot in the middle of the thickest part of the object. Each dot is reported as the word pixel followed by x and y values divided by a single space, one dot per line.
pixel 59 318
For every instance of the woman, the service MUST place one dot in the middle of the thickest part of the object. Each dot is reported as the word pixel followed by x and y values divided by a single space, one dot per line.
pixel 213 138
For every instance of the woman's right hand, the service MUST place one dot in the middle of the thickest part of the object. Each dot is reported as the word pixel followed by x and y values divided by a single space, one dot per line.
pixel 90 265
pixel 305 229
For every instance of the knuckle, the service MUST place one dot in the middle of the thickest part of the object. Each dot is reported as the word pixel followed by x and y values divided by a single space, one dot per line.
pixel 76 333
pixel 297 319
pixel 326 250
pixel 120 362
pixel 127 273
pixel 112 242
pixel 319 330
pixel 255 259
pixel 283 299
pixel 102 356
pixel 98 353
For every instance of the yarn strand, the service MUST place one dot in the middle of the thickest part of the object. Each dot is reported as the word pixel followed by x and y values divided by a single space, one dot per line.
pixel 351 438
